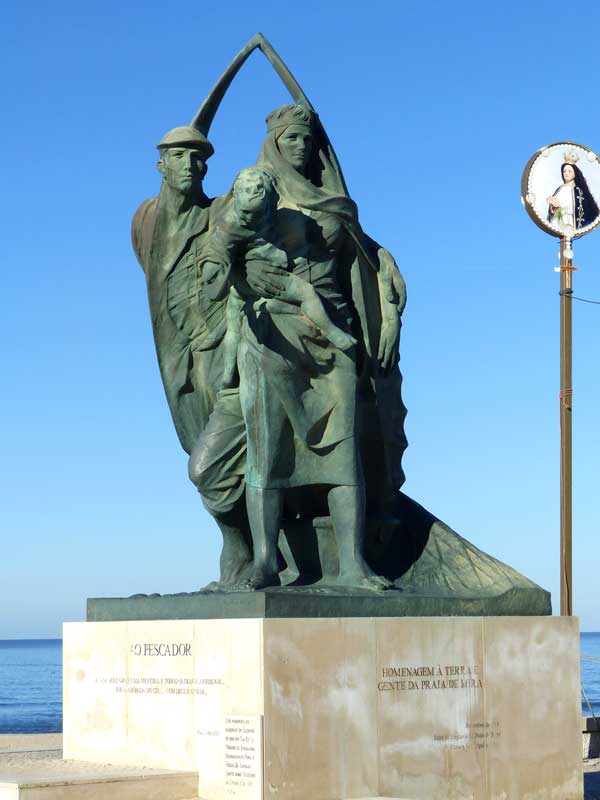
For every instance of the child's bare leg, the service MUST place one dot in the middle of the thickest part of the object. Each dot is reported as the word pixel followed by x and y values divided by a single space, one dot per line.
pixel 274 306
pixel 233 316
pixel 301 291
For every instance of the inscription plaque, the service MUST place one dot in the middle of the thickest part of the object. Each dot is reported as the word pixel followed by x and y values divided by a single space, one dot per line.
pixel 477 736
pixel 244 758
pixel 430 677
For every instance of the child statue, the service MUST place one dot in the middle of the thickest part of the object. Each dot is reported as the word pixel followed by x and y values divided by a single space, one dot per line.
pixel 246 230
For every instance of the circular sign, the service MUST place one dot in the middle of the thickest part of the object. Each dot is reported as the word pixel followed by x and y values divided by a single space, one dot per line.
pixel 560 189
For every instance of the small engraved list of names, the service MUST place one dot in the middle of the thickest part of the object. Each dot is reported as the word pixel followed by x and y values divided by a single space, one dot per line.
pixel 243 758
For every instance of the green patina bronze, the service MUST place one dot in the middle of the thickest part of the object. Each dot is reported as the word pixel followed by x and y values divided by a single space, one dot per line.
pixel 277 321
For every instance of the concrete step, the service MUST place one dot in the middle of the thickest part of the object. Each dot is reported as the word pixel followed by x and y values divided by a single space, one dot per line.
pixel 44 775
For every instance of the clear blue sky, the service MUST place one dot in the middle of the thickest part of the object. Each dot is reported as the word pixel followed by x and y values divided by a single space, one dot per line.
pixel 433 108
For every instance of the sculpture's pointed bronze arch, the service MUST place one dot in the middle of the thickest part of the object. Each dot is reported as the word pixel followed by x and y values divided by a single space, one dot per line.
pixel 206 113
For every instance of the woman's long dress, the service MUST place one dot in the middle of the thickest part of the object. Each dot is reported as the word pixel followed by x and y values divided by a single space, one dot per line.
pixel 298 391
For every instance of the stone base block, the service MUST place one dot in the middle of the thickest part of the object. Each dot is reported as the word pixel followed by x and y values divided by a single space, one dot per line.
pixel 43 775
pixel 484 708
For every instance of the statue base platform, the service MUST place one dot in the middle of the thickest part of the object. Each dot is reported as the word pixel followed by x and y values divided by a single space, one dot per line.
pixel 309 602
pixel 335 708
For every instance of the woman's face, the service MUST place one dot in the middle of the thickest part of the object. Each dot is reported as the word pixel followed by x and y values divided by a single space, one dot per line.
pixel 568 173
pixel 296 146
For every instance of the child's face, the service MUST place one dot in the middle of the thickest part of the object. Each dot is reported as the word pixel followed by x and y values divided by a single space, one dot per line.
pixel 251 193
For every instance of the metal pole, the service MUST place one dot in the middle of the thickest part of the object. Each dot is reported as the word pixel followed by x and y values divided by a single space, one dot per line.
pixel 566 398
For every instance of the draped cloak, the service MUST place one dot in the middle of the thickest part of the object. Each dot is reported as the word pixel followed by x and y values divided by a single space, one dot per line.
pixel 188 337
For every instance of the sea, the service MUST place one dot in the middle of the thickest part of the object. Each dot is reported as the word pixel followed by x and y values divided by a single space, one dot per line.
pixel 31 683
pixel 590 674
pixel 30 686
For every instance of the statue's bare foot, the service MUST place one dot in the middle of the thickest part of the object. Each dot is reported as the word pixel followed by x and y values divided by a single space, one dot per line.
pixel 233 571
pixel 339 338
pixel 213 586
pixel 361 576
pixel 260 578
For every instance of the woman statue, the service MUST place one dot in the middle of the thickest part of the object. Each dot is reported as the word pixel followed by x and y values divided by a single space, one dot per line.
pixel 313 411
pixel 572 206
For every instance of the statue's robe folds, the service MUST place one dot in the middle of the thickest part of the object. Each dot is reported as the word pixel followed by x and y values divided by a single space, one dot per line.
pixel 188 335
pixel 341 260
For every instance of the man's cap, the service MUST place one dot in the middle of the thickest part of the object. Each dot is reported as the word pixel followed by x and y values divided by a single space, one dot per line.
pixel 187 136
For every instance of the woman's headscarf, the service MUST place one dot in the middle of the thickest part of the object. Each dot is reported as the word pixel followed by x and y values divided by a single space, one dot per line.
pixel 322 187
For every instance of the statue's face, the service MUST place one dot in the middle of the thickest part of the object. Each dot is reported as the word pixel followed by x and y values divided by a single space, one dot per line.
pixel 251 192
pixel 568 173
pixel 296 145
pixel 182 168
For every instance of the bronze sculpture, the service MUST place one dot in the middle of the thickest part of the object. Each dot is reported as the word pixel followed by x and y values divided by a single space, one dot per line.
pixel 277 322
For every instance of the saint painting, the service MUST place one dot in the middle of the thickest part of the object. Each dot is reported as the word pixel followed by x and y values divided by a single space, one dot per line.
pixel 572 206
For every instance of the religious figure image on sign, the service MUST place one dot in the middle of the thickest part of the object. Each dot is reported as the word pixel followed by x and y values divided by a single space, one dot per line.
pixel 572 206
pixel 560 189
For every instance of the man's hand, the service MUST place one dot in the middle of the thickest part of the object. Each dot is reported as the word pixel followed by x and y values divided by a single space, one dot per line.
pixel 266 279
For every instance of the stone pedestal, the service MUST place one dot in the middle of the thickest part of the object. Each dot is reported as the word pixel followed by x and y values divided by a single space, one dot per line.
pixel 485 708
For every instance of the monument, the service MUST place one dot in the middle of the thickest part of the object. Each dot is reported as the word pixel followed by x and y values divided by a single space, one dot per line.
pixel 353 645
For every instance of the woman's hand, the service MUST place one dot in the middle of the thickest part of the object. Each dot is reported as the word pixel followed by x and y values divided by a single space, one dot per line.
pixel 554 202
pixel 388 354
pixel 392 298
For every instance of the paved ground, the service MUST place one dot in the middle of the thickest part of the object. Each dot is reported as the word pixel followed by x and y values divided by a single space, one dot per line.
pixel 30 741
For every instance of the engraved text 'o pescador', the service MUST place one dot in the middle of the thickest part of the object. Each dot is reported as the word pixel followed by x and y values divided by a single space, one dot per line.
pixel 161 649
